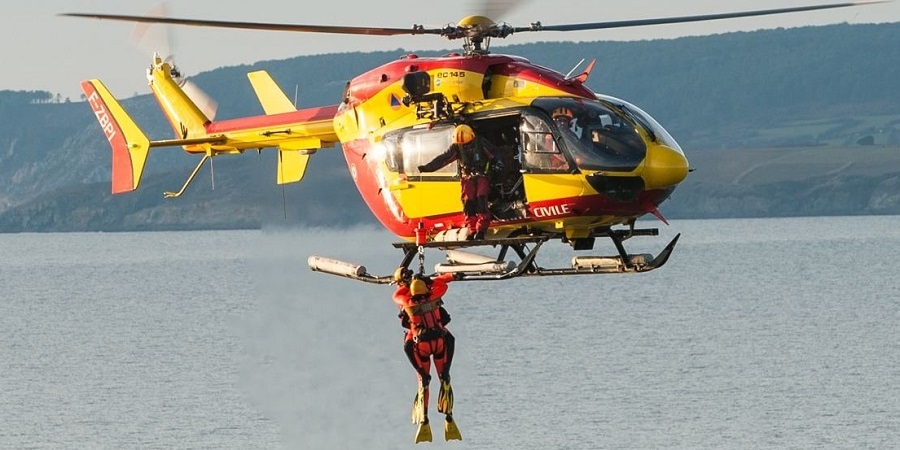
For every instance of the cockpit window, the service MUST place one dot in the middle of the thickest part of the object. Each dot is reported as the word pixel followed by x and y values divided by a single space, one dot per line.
pixel 646 120
pixel 596 135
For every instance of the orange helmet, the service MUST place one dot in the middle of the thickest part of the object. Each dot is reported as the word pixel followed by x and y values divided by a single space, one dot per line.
pixel 463 135
pixel 562 112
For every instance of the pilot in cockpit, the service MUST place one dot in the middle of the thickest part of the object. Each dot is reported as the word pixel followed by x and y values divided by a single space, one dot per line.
pixel 565 120
pixel 540 149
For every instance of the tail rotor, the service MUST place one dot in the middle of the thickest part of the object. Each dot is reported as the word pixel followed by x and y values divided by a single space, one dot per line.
pixel 158 39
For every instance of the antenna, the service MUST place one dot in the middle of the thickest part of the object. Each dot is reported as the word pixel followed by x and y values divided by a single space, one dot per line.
pixel 576 67
pixel 283 202
pixel 212 173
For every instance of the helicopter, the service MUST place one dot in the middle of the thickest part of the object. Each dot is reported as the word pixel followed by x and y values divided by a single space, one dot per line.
pixel 577 165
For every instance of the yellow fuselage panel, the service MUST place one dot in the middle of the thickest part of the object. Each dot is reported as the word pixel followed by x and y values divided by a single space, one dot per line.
pixel 428 198
pixel 346 124
pixel 512 86
pixel 498 104
pixel 457 83
pixel 543 187
pixel 663 167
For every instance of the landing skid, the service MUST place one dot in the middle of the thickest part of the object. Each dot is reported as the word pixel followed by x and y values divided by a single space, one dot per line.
pixel 474 267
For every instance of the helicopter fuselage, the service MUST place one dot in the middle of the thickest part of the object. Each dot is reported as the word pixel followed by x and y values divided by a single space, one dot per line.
pixel 609 164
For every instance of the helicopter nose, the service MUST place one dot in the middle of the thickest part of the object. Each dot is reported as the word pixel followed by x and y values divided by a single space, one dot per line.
pixel 664 167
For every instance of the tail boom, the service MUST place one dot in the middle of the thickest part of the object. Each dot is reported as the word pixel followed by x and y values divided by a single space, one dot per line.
pixel 295 133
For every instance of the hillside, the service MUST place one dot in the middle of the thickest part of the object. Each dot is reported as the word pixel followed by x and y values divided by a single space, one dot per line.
pixel 778 122
pixel 790 181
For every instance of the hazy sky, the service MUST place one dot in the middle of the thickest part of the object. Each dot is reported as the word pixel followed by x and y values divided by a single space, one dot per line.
pixel 43 51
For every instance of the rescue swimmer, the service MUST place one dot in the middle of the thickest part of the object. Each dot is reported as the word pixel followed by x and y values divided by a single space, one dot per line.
pixel 427 338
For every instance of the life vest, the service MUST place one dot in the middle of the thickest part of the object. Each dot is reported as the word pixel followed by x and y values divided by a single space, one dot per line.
pixel 425 318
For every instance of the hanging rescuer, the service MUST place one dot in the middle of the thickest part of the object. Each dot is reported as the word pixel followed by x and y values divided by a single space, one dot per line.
pixel 427 339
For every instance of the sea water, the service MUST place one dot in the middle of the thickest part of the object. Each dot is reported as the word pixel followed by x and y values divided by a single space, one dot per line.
pixel 763 334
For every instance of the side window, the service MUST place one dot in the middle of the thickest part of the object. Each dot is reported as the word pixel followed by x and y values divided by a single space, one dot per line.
pixel 407 150
pixel 539 148
pixel 393 154
pixel 421 146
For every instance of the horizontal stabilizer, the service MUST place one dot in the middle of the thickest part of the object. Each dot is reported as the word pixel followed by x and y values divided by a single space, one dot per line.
pixel 129 144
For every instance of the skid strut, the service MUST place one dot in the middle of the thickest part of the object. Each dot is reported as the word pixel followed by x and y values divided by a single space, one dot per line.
pixel 474 267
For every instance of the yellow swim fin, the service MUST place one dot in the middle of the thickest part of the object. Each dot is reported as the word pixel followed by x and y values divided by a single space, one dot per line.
pixel 451 432
pixel 423 434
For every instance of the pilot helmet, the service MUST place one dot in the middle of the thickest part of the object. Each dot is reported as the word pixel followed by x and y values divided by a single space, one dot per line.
pixel 562 115
pixel 463 134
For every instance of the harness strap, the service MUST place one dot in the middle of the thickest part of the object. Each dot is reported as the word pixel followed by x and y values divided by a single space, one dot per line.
pixel 423 308
pixel 429 334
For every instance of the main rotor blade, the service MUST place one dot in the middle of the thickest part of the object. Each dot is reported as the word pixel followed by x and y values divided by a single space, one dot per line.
pixel 453 32
pixel 415 29
pixel 683 19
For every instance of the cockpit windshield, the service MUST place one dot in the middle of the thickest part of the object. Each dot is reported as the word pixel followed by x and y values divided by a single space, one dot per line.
pixel 598 134
pixel 656 131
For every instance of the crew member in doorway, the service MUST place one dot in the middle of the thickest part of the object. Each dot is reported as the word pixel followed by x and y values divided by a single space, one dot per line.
pixel 476 157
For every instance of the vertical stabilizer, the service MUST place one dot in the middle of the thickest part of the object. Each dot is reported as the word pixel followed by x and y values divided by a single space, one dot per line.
pixel 291 165
pixel 271 97
pixel 129 144
pixel 291 161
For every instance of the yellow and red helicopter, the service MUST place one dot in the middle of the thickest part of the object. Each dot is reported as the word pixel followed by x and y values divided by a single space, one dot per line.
pixel 578 165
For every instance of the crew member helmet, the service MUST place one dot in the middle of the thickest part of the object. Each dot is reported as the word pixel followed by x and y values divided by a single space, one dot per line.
pixel 464 134
pixel 418 287
pixel 562 111
pixel 402 275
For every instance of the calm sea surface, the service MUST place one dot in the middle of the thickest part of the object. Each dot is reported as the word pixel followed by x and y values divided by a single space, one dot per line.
pixel 758 334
